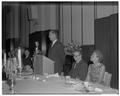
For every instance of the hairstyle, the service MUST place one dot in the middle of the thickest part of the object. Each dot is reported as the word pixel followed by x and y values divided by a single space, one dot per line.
pixel 80 52
pixel 54 32
pixel 27 49
pixel 100 55
pixel 36 41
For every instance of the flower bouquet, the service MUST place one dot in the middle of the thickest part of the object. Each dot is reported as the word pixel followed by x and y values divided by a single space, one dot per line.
pixel 71 47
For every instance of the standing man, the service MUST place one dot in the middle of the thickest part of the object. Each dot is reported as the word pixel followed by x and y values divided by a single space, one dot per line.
pixel 56 52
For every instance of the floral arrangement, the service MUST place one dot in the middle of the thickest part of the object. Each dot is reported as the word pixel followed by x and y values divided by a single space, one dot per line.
pixel 71 47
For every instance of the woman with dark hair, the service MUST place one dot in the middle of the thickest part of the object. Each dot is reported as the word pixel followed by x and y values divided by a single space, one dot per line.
pixel 97 69
pixel 27 60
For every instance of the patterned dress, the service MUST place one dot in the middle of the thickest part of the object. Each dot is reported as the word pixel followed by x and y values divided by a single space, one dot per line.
pixel 94 72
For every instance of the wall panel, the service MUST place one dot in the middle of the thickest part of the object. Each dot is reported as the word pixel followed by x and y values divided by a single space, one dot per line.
pixel 76 23
pixel 104 10
pixel 88 24
pixel 67 23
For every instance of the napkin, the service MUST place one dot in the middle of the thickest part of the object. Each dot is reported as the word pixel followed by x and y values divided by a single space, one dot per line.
pixel 98 90
pixel 53 75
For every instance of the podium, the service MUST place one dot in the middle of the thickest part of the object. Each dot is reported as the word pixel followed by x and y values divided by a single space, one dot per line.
pixel 42 65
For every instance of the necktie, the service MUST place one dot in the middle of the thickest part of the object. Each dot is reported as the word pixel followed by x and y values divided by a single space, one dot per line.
pixel 75 65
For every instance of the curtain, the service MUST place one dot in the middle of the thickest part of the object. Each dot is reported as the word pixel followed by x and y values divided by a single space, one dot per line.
pixel 106 40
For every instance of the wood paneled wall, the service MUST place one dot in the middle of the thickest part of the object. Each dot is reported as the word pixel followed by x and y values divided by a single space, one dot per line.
pixel 88 24
pixel 44 16
pixel 77 20
pixel 77 23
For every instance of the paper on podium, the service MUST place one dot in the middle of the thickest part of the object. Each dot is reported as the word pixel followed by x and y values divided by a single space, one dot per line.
pixel 42 65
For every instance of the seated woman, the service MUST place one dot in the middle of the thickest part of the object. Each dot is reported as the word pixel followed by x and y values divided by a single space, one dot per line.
pixel 97 69
pixel 79 67
pixel 27 60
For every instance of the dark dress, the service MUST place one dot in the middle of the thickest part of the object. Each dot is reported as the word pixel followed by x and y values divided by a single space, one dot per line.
pixel 4 76
pixel 79 70
pixel 56 53
pixel 27 61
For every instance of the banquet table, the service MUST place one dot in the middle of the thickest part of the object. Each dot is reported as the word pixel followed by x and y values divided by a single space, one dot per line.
pixel 50 85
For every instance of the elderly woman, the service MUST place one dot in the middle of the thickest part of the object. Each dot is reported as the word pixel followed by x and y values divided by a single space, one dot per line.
pixel 97 69
pixel 79 68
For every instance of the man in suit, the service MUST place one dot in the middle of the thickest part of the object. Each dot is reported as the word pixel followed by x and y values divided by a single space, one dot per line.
pixel 56 52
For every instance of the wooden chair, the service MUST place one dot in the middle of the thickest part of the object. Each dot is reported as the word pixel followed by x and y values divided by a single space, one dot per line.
pixel 107 79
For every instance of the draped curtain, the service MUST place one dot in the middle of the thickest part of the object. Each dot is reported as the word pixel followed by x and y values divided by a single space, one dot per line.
pixel 106 40
pixel 15 25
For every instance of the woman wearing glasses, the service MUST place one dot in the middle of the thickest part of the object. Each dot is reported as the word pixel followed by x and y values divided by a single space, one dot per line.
pixel 79 68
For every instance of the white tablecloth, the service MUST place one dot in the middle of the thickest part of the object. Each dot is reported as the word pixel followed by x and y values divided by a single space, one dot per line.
pixel 47 85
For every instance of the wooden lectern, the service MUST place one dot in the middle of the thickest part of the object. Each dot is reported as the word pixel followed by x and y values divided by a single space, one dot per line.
pixel 42 65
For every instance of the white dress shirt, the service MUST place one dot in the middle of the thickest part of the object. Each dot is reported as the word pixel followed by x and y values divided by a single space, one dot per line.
pixel 54 42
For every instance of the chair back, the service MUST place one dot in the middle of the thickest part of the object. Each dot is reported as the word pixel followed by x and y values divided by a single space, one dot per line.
pixel 107 79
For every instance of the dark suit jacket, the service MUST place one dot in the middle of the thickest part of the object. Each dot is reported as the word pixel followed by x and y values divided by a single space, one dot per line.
pixel 80 71
pixel 56 53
